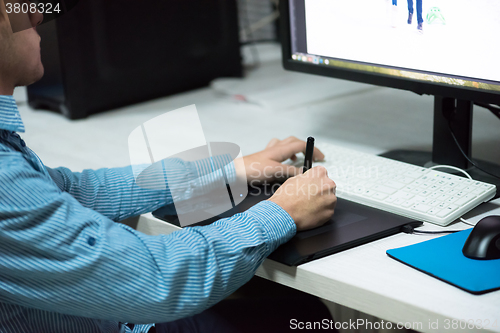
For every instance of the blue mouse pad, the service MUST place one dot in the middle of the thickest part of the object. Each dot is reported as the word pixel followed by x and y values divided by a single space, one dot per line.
pixel 442 258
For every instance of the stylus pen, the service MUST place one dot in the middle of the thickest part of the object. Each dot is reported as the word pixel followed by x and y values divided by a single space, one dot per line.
pixel 308 161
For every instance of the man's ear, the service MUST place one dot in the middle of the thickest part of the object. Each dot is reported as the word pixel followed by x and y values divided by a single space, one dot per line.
pixel 3 14
pixel 19 19
pixel 5 27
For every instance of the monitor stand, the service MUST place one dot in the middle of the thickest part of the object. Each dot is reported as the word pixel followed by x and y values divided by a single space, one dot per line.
pixel 444 148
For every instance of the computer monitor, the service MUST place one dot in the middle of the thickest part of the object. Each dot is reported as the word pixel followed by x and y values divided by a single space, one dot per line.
pixel 445 48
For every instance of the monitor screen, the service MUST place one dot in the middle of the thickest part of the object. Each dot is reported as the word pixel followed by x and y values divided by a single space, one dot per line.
pixel 443 47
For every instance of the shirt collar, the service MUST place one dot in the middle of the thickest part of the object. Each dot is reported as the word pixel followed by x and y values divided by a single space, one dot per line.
pixel 10 119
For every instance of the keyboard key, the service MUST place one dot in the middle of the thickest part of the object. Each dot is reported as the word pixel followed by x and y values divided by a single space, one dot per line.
pixel 413 174
pixel 427 201
pixel 452 200
pixel 478 191
pixel 419 199
pixel 384 189
pixel 451 192
pixel 408 203
pixel 404 195
pixel 399 201
pixel 433 211
pixel 390 199
pixel 367 193
pixel 407 188
pixel 380 196
pixel 434 195
pixel 448 210
pixel 417 174
pixel 434 202
pixel 465 199
pixel 421 208
pixel 359 190
pixel 425 193
pixel 395 184
pixel 443 197
pixel 406 180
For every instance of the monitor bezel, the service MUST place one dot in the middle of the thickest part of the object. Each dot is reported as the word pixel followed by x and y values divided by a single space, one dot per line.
pixel 385 80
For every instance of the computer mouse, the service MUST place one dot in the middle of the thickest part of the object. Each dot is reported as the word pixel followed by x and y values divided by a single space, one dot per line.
pixel 484 240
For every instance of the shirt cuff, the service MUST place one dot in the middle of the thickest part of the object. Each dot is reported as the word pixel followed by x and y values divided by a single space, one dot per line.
pixel 278 224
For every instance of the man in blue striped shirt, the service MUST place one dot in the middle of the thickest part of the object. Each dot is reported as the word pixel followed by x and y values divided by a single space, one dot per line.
pixel 67 266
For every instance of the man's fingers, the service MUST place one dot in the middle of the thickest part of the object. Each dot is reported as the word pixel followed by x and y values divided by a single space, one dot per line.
pixel 287 171
pixel 289 140
pixel 291 146
pixel 298 146
pixel 273 143
pixel 293 171
pixel 329 186
pixel 290 149
pixel 318 155
pixel 318 171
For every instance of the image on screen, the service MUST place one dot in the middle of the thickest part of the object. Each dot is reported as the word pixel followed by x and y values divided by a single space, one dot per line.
pixel 449 41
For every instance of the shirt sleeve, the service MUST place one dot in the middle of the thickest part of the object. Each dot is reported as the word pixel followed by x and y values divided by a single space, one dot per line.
pixel 59 256
pixel 115 193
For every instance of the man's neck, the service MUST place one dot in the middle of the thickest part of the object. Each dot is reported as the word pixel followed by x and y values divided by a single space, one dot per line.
pixel 6 89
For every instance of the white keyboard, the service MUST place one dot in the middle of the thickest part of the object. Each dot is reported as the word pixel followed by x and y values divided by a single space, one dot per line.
pixel 402 188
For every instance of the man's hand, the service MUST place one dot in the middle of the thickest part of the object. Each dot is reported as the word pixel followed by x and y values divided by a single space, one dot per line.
pixel 309 198
pixel 266 165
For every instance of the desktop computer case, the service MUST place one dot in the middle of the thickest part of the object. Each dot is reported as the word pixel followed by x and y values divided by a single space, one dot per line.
pixel 105 54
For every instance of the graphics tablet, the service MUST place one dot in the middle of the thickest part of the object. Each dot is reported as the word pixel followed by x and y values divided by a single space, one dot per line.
pixel 352 224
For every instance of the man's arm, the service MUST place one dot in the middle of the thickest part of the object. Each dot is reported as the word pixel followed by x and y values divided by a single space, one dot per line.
pixel 115 194
pixel 60 256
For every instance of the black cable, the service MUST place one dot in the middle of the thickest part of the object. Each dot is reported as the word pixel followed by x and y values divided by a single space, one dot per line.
pixel 465 155
pixel 435 232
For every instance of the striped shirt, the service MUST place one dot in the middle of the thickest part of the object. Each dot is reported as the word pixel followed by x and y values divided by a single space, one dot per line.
pixel 67 266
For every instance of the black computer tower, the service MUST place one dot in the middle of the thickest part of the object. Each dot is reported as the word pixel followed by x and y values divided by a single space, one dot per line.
pixel 104 54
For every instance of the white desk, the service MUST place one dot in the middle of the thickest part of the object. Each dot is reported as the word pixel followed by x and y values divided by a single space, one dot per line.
pixel 360 116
